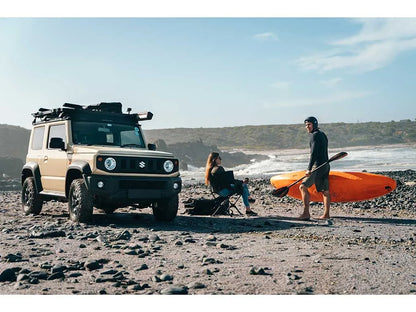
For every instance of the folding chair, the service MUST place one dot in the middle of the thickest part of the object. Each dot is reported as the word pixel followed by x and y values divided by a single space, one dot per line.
pixel 223 181
pixel 230 202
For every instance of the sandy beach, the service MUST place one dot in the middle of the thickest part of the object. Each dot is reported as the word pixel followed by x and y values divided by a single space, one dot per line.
pixel 365 248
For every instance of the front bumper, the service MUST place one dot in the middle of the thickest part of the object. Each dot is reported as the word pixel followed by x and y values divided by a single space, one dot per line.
pixel 133 189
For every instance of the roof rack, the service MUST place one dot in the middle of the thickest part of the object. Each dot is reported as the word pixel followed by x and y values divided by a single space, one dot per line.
pixel 46 114
pixel 108 107
pixel 69 109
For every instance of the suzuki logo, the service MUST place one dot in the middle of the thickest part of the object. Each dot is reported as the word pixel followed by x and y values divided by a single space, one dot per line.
pixel 142 164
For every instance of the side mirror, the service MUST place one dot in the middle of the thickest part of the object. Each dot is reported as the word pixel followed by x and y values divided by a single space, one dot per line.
pixel 151 146
pixel 57 143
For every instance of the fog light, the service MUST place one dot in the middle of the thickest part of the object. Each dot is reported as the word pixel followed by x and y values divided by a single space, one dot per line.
pixel 175 186
pixel 100 184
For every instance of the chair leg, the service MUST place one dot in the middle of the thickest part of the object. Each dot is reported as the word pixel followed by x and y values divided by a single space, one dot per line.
pixel 219 207
pixel 234 205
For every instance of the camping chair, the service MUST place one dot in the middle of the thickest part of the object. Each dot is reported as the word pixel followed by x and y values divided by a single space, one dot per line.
pixel 229 201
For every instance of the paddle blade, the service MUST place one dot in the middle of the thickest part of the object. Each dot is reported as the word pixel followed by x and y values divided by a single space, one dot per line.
pixel 280 192
pixel 338 156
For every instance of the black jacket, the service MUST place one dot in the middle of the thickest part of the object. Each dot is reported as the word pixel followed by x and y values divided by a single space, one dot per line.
pixel 319 148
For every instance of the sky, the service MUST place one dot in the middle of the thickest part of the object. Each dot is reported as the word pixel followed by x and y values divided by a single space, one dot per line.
pixel 210 70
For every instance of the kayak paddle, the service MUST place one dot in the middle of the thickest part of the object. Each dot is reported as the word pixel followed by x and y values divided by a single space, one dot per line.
pixel 281 192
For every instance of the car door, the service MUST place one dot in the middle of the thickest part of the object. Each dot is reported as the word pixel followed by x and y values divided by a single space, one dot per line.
pixel 35 151
pixel 55 161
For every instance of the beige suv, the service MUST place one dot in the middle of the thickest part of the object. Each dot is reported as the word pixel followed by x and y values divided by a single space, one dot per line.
pixel 97 156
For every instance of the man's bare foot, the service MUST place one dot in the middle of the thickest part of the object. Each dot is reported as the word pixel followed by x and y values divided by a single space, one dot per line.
pixel 324 217
pixel 304 216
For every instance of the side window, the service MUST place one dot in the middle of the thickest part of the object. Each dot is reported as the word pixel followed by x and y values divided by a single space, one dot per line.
pixel 37 138
pixel 57 131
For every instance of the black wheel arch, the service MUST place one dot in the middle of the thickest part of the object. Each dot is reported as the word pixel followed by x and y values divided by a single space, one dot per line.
pixel 77 170
pixel 31 169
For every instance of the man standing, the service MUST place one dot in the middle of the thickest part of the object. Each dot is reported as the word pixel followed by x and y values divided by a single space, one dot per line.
pixel 319 155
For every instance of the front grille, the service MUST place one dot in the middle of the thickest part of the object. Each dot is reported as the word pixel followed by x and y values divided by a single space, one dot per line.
pixel 137 165
pixel 145 185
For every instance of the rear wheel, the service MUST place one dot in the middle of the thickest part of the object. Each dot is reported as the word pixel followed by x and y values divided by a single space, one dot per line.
pixel 80 204
pixel 167 209
pixel 31 200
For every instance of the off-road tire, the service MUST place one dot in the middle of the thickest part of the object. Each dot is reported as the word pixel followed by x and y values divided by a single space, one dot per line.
pixel 167 209
pixel 31 200
pixel 80 204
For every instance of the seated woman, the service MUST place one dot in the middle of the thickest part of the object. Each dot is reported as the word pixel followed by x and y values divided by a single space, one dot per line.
pixel 214 175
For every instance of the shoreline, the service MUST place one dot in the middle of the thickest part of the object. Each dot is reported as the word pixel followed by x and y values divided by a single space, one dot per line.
pixel 200 180
pixel 361 158
pixel 334 149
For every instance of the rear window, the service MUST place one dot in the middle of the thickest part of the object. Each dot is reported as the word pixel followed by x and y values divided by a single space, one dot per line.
pixel 37 138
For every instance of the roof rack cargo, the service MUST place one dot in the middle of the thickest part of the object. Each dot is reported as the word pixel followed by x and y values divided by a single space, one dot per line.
pixel 109 107
pixel 70 109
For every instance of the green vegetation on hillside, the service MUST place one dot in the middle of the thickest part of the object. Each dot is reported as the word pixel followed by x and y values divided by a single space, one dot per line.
pixel 291 136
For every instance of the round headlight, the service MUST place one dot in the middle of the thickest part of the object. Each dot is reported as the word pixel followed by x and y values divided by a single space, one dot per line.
pixel 168 166
pixel 110 163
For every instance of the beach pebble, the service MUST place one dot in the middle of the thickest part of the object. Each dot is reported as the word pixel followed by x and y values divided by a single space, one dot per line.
pixel 258 271
pixel 39 275
pixel 206 261
pixel 154 237
pixel 91 265
pixel 211 238
pixel 142 267
pixel 58 268
pixel 13 257
pixel 8 275
pixel 57 275
pixel 22 277
pixel 175 290
pixel 196 285
pixel 125 235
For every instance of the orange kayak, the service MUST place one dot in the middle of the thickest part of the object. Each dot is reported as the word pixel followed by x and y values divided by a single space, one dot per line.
pixel 343 186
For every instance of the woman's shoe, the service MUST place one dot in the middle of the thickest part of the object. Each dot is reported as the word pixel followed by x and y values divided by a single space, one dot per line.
pixel 251 213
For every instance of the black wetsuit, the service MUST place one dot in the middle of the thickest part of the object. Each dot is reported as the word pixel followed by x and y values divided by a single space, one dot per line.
pixel 319 148
pixel 319 155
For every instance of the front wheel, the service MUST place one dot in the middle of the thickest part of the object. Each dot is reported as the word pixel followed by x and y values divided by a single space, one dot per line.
pixel 167 209
pixel 80 203
pixel 31 200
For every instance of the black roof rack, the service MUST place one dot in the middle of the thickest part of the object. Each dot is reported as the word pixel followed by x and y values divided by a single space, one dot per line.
pixel 111 110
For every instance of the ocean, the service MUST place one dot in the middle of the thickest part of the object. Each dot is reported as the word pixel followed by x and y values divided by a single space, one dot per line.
pixel 369 158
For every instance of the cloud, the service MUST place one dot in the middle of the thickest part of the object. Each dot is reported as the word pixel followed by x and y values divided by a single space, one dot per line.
pixel 381 30
pixel 378 43
pixel 267 36
pixel 281 84
pixel 332 99
pixel 331 82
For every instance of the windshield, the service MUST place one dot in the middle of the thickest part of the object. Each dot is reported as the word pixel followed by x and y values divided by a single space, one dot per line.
pixel 103 133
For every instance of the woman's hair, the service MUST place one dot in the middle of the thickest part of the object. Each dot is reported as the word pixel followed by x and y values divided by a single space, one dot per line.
pixel 210 164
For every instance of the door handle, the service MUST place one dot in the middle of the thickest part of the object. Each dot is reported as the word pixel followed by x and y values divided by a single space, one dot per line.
pixel 45 158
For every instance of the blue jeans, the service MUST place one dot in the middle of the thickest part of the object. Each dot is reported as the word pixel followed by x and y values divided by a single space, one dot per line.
pixel 245 194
